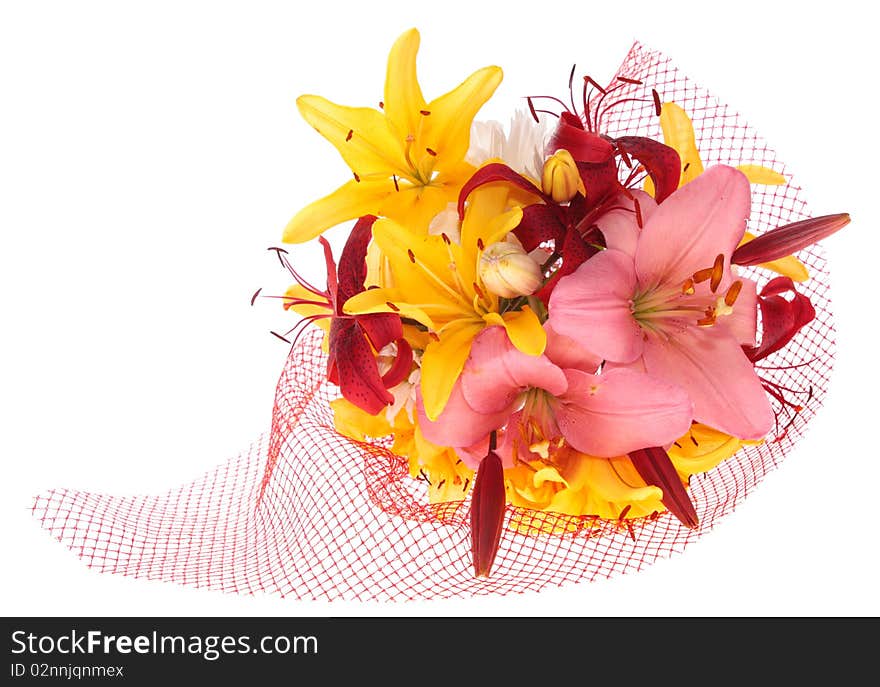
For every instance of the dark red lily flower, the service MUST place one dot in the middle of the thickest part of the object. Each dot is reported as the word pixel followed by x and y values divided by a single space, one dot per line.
pixel 656 468
pixel 787 239
pixel 781 318
pixel 354 340
pixel 488 502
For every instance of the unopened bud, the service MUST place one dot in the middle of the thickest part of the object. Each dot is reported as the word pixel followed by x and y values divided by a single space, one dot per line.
pixel 561 179
pixel 507 271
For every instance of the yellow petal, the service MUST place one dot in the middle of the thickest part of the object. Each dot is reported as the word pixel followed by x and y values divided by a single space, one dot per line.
pixel 352 422
pixel 349 201
pixel 548 474
pixel 446 131
pixel 443 362
pixel 404 102
pixel 414 205
pixel 420 267
pixel 523 328
pixel 701 449
pixel 360 134
pixel 757 174
pixel 788 266
pixel 377 300
pixel 678 133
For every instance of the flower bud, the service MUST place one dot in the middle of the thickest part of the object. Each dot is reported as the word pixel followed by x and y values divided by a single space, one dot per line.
pixel 507 271
pixel 561 179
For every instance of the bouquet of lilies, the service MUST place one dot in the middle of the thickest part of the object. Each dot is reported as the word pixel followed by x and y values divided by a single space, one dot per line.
pixel 544 315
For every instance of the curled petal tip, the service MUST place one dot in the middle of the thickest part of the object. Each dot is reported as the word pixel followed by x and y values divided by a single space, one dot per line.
pixel 487 514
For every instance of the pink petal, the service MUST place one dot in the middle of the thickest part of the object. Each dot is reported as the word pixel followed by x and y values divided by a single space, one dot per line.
pixel 711 366
pixel 743 321
pixel 620 411
pixel 459 424
pixel 620 226
pixel 593 306
pixel 696 223
pixel 565 352
pixel 496 372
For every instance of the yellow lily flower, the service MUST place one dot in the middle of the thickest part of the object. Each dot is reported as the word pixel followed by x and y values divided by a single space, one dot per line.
pixel 678 133
pixel 407 160
pixel 436 282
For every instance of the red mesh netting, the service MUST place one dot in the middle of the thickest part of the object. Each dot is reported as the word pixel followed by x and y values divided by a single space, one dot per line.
pixel 309 514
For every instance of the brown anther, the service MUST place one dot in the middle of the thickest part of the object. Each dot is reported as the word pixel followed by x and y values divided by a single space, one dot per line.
pixel 480 244
pixel 396 185
pixel 685 168
pixel 707 321
pixel 356 177
pixel 280 337
pixel 466 482
pixel 431 152
pixel 392 306
pixel 479 291
pixel 702 275
pixel 657 106
pixel 687 288
pixel 434 336
pixel 625 79
pixel 350 134
pixel 256 293
pixel 624 512
pixel 694 441
pixel 445 238
pixel 717 272
pixel 441 483
pixel 425 112
pixel 733 292
pixel 638 210
pixel 381 105
pixel 412 256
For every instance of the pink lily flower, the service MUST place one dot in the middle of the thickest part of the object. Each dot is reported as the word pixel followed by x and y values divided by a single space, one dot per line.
pixel 668 303
pixel 540 400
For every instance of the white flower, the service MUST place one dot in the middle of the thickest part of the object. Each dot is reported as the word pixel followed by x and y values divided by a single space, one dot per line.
pixel 522 149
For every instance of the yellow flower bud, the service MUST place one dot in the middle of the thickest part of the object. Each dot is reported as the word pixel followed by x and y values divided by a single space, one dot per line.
pixel 561 179
pixel 508 271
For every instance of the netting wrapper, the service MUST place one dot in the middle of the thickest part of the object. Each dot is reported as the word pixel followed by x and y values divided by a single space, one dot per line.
pixel 308 514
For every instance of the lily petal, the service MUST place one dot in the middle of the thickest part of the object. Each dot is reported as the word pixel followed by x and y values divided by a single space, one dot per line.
pixel 717 375
pixel 360 134
pixel 592 306
pixel 352 365
pixel 694 225
pixel 377 301
pixel 496 372
pixel 352 199
pixel 620 226
pixel 459 425
pixel 446 131
pixel 621 411
pixel 404 101
pixel 443 362
pixel 757 174
pixel 566 352
pixel 523 328
pixel 678 133
pixel 743 321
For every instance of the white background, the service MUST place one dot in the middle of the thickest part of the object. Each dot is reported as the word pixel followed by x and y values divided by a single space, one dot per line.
pixel 152 151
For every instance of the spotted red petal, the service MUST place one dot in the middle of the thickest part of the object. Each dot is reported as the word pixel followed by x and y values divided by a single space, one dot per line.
pixel 661 162
pixel 787 239
pixel 539 223
pixel 781 318
pixel 574 251
pixel 401 367
pixel 352 365
pixel 487 513
pixel 353 261
pixel 655 467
